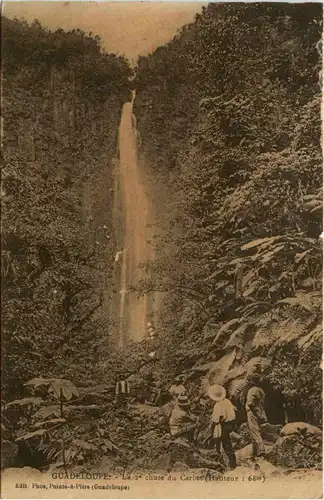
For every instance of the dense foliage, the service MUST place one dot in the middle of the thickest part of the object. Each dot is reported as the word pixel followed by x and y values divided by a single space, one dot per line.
pixel 229 127
pixel 62 98
pixel 229 117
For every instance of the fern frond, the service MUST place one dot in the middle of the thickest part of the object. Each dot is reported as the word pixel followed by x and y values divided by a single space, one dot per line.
pixel 237 337
pixel 235 373
pixel 220 369
pixel 257 365
pixel 289 330
pixel 237 386
pixel 224 328
pixel 307 340
pixel 305 300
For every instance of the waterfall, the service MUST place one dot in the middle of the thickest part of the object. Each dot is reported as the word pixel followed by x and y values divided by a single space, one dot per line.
pixel 133 228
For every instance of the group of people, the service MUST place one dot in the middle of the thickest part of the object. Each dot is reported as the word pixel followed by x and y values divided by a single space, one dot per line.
pixel 222 420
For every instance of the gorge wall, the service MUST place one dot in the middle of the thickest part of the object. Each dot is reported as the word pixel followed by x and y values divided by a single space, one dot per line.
pixel 229 116
pixel 62 100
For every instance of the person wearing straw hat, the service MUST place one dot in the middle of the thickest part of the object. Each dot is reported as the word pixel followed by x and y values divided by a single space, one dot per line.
pixel 223 417
pixel 255 412
pixel 182 422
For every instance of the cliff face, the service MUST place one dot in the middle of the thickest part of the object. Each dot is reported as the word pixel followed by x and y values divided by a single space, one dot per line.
pixel 229 117
pixel 62 98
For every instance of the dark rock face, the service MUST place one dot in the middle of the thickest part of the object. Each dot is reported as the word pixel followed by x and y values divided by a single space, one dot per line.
pixel 270 432
pixel 9 452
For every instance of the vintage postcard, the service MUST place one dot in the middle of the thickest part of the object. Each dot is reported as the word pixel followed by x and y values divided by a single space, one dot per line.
pixel 161 200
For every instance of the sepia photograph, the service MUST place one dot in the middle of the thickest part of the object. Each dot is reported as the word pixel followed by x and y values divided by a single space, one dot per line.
pixel 161 249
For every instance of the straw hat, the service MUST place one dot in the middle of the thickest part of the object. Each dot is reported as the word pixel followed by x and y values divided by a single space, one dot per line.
pixel 216 392
pixel 183 400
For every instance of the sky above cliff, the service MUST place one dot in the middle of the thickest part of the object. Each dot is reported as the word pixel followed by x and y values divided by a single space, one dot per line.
pixel 129 28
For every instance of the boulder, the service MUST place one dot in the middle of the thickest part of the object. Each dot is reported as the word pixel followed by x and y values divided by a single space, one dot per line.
pixel 298 450
pixel 262 468
pixel 244 455
pixel 312 430
pixel 294 428
pixel 22 474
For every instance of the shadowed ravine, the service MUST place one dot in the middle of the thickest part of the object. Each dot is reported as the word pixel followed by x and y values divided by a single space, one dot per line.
pixel 133 221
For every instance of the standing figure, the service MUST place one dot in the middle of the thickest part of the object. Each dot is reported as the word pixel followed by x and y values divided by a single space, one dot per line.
pixel 177 388
pixel 122 392
pixel 182 422
pixel 256 414
pixel 222 422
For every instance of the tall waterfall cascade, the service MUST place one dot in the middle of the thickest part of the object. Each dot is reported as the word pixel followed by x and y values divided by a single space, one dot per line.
pixel 133 221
